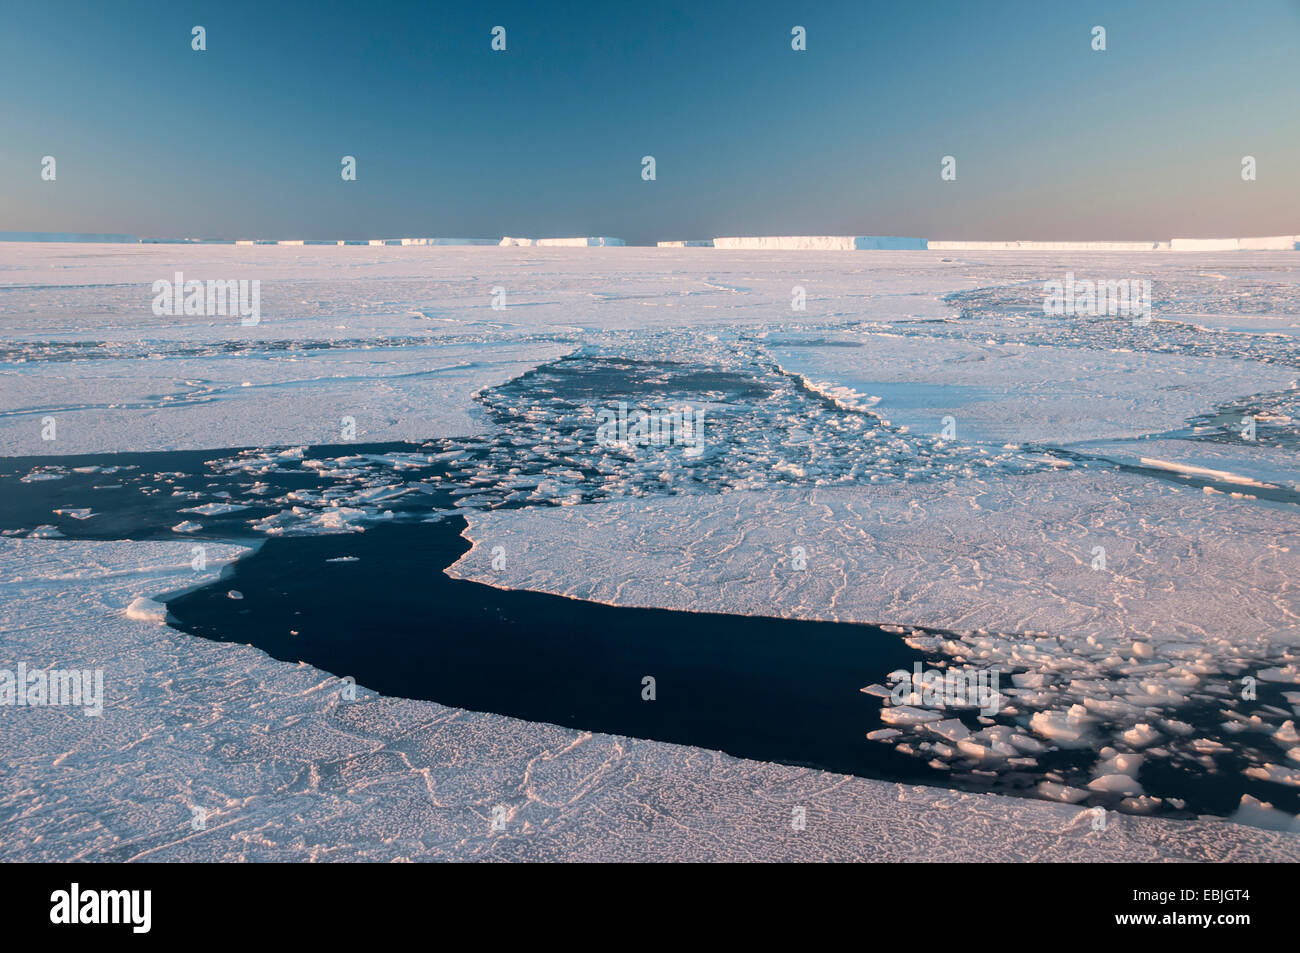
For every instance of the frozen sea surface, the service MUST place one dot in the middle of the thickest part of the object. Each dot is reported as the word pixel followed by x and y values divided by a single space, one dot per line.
pixel 824 431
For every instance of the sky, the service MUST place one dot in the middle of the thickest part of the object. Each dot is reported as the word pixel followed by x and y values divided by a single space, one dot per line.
pixel 1052 139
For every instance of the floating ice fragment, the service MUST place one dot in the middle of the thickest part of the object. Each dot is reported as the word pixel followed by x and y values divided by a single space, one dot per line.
pixel 214 509
pixel 907 715
pixel 1116 784
pixel 950 728
pixel 1061 792
pixel 1140 805
pixel 1128 764
pixel 1059 726
pixel 1275 773
pixel 1286 673
pixel 1140 736
pixel 144 609
pixel 1258 813
pixel 884 734
pixel 82 513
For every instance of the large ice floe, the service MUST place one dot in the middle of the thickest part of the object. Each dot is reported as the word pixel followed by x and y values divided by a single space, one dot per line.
pixel 1107 517
pixel 1105 659
pixel 1022 393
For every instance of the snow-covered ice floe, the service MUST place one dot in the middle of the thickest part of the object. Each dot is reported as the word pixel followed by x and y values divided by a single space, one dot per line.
pixel 997 393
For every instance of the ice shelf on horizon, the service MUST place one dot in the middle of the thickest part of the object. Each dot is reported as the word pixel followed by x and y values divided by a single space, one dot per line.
pixel 594 242
pixel 740 243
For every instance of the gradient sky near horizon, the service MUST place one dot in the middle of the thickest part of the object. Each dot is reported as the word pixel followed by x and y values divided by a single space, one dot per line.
pixel 1052 140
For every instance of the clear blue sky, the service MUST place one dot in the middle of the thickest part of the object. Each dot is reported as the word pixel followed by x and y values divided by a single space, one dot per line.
pixel 1052 140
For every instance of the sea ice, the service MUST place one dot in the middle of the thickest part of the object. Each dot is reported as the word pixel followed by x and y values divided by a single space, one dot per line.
pixel 839 450
pixel 189 723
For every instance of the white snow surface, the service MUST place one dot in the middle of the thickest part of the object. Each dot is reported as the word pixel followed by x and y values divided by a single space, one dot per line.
pixel 1010 554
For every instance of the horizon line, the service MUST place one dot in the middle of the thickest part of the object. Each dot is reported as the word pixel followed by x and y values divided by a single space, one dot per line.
pixel 730 243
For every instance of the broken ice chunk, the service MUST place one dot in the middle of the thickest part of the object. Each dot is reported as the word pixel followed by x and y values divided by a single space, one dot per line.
pixel 1116 784
pixel 907 715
